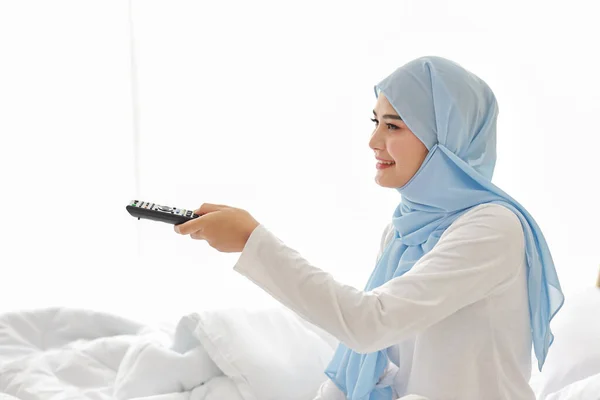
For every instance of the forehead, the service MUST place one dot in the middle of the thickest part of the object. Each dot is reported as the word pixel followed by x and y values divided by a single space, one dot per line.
pixel 383 105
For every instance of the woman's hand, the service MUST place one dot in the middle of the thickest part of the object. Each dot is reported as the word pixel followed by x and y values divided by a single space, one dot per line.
pixel 225 228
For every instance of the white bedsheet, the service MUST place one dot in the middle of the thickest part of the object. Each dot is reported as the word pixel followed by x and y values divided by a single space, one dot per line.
pixel 584 389
pixel 85 355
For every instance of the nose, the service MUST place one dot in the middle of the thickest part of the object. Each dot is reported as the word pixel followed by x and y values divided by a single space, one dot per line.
pixel 376 141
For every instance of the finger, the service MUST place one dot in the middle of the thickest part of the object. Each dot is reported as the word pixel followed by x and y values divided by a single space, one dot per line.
pixel 194 225
pixel 198 235
pixel 209 207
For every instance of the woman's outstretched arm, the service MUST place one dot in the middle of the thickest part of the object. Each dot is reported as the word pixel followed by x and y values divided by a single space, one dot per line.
pixel 478 255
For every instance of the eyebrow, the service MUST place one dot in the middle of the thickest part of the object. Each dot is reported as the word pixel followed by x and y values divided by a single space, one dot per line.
pixel 391 116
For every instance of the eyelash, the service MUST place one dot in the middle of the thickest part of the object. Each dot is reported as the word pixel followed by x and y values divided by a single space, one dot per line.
pixel 390 126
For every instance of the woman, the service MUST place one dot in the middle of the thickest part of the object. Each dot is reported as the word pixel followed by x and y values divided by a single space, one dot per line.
pixel 464 282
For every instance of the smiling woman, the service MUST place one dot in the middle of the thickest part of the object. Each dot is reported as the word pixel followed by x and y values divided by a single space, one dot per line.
pixel 445 313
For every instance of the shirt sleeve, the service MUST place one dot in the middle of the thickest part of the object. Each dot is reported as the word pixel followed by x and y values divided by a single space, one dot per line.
pixel 478 255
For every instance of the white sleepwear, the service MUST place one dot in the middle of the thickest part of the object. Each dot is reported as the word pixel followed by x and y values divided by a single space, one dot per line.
pixel 456 325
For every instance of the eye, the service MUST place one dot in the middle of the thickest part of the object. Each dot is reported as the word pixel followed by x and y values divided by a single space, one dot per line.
pixel 391 127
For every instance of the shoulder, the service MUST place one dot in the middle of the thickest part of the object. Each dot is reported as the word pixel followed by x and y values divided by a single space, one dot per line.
pixel 491 220
pixel 491 215
pixel 496 215
pixel 483 220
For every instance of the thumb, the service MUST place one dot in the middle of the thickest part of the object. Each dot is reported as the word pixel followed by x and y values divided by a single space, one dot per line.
pixel 209 207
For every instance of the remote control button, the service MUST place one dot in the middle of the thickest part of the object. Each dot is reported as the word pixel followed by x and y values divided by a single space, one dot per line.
pixel 164 208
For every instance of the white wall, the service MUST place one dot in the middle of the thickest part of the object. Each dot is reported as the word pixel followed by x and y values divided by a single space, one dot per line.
pixel 65 152
pixel 264 106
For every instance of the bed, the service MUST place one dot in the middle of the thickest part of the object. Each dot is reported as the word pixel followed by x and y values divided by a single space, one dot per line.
pixel 232 354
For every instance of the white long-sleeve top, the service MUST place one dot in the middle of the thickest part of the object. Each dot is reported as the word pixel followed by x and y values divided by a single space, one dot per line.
pixel 456 325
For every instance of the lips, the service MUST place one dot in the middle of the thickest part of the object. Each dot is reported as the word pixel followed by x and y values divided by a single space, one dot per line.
pixel 382 165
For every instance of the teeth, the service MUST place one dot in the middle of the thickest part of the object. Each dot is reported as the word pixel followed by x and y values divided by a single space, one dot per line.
pixel 386 162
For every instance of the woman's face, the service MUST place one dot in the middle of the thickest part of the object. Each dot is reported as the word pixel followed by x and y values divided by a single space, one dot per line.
pixel 394 143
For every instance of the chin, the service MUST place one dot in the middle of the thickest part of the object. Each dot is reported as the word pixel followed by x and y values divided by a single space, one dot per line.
pixel 389 183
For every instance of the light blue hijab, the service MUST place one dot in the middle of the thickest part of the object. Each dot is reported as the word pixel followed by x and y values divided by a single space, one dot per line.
pixel 454 114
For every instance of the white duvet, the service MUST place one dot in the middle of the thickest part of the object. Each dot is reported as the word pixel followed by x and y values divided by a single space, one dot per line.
pixel 584 389
pixel 78 354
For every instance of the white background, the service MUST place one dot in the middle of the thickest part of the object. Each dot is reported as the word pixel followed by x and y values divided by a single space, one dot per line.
pixel 263 105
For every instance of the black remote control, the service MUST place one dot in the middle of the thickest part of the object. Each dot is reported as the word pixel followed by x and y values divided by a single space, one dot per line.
pixel 156 212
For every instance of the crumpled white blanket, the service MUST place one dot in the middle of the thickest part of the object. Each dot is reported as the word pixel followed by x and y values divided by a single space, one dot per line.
pixel 81 354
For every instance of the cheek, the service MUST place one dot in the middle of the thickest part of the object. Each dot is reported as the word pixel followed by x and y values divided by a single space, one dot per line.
pixel 398 150
pixel 407 153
